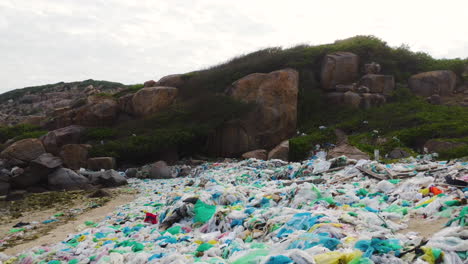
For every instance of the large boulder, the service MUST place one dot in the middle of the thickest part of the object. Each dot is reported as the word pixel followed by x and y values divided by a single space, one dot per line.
pixel 348 151
pixel 153 99
pixel 75 156
pixel 160 170
pixel 150 83
pixel 280 152
pixel 126 104
pixel 4 188
pixel 100 111
pixel 24 150
pixel 440 145
pixel 55 139
pixel 109 178
pixel 48 160
pixel 4 183
pixel 30 176
pixel 101 163
pixel 433 82
pixel 66 179
pixel 335 98
pixel 272 120
pixel 378 83
pixel 352 99
pixel 260 154
pixel 173 80
pixel 339 68
pixel 371 99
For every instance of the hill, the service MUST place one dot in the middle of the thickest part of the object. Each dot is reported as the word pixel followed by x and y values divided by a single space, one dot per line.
pixel 202 106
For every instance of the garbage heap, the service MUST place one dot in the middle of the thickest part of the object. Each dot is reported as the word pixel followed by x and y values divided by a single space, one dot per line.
pixel 253 211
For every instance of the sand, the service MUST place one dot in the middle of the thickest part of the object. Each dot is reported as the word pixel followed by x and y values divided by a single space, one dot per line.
pixel 58 231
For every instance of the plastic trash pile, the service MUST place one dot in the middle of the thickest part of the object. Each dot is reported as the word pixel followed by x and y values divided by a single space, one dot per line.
pixel 272 212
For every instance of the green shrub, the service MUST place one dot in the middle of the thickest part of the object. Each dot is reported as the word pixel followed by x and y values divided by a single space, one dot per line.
pixel 139 149
pixel 299 147
pixel 20 132
pixel 100 133
pixel 454 153
pixel 32 134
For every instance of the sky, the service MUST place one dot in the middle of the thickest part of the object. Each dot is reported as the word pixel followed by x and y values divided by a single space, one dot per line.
pixel 132 41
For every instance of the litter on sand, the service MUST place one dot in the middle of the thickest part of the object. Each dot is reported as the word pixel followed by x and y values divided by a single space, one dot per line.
pixel 272 212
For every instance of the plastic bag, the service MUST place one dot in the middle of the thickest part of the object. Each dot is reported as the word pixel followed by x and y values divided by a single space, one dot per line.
pixel 203 212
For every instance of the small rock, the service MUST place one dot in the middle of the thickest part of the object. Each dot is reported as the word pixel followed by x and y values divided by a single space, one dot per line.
pixel 109 178
pixel 105 163
pixel 398 154
pixel 131 172
pixel 67 179
pixel 280 152
pixel 434 99
pixel 160 170
pixel 260 154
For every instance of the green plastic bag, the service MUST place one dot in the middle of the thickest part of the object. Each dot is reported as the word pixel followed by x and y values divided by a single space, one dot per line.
pixel 204 247
pixel 252 257
pixel 203 212
pixel 174 230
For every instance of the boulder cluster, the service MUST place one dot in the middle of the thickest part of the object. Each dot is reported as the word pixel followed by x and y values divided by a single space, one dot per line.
pixel 341 82
pixel 55 162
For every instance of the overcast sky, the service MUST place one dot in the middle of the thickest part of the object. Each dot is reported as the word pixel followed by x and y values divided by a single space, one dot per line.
pixel 131 41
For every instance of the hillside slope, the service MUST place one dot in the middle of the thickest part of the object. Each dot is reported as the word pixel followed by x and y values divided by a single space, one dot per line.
pixel 202 105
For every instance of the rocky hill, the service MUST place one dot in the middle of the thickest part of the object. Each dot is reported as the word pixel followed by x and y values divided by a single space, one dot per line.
pixel 278 103
pixel 32 105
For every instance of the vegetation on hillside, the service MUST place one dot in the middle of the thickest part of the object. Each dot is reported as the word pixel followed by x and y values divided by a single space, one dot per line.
pixel 19 132
pixel 184 127
pixel 17 93
pixel 407 122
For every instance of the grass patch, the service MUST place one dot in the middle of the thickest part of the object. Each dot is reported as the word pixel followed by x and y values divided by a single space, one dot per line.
pixel 299 147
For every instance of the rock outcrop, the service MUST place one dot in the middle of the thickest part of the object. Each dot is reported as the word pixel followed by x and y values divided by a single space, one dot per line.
pixel 339 68
pixel 153 99
pixel 173 80
pixel 100 111
pixel 340 82
pixel 272 120
pixel 434 82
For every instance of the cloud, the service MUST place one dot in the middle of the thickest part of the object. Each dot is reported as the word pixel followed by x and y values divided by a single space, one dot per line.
pixel 47 41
